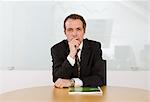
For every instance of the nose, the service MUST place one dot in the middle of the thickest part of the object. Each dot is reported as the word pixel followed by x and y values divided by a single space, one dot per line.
pixel 75 34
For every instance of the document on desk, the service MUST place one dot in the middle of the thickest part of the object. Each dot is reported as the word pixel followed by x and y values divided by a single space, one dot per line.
pixel 85 90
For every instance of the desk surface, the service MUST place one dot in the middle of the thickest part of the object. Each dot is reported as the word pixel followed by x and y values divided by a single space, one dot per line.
pixel 51 94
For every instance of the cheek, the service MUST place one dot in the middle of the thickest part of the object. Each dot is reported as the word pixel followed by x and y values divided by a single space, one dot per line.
pixel 69 37
pixel 81 35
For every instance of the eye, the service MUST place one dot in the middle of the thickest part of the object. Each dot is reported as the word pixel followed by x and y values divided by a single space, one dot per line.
pixel 69 29
pixel 78 29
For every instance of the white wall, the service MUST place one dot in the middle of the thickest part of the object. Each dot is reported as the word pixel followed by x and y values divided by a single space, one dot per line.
pixel 134 79
pixel 12 80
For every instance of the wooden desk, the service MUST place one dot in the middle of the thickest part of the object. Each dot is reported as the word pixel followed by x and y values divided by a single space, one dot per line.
pixel 51 94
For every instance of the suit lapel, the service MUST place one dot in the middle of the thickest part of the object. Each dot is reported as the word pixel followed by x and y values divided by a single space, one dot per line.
pixel 85 54
pixel 66 47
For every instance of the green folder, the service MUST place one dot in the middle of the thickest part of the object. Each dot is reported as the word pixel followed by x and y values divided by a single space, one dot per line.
pixel 85 90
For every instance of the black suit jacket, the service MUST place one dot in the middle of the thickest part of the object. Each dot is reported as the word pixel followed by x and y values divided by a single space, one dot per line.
pixel 91 65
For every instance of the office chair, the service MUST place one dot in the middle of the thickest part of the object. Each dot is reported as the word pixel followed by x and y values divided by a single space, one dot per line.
pixel 104 72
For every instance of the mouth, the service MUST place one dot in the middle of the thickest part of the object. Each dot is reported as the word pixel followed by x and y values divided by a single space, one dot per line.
pixel 77 39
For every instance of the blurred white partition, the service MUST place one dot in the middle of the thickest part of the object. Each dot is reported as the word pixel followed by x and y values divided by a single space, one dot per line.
pixel 13 80
pixel 134 79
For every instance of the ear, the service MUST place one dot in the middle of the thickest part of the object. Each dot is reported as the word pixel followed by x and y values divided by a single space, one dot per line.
pixel 84 31
pixel 65 31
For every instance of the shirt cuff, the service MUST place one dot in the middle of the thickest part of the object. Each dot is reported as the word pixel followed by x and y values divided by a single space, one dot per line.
pixel 71 60
pixel 78 82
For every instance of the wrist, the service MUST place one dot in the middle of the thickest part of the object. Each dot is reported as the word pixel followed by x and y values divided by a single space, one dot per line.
pixel 72 56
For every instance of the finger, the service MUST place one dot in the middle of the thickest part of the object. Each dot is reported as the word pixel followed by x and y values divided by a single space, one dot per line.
pixel 56 86
pixel 58 82
pixel 66 83
pixel 61 86
pixel 77 41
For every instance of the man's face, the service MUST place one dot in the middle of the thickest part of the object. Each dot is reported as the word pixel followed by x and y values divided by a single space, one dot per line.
pixel 74 29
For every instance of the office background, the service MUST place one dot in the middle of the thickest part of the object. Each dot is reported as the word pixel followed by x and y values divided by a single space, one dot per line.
pixel 28 29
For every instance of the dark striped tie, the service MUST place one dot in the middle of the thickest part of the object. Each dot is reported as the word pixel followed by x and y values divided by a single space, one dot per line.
pixel 78 62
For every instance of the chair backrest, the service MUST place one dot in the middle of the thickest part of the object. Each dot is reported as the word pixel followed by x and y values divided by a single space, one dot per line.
pixel 104 72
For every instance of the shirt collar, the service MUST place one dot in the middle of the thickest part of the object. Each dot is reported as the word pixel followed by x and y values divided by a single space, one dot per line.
pixel 81 45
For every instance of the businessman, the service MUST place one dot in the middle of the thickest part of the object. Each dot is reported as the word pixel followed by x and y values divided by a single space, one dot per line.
pixel 77 61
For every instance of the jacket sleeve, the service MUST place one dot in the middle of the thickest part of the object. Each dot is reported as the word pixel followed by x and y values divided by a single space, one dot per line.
pixel 96 78
pixel 61 66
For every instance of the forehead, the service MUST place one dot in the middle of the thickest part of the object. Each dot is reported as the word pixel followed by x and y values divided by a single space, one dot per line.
pixel 73 23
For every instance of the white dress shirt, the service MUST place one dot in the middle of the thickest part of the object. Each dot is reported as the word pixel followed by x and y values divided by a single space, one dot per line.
pixel 78 82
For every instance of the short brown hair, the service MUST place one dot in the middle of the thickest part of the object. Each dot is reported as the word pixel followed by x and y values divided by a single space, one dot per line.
pixel 75 16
